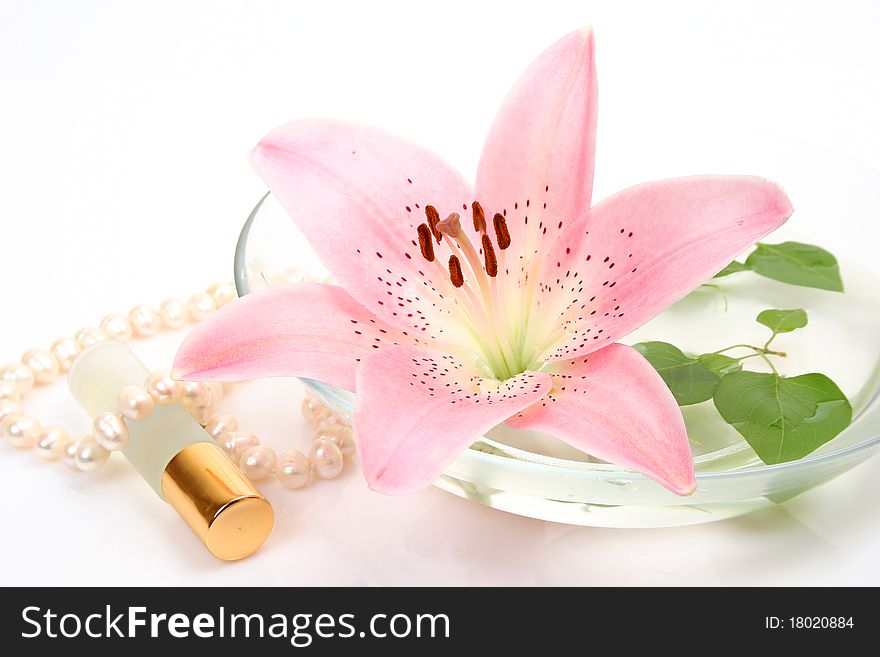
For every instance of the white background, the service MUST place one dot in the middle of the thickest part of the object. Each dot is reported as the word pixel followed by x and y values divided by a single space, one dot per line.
pixel 123 133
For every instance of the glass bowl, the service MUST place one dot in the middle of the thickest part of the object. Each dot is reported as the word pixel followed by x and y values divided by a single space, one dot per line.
pixel 533 476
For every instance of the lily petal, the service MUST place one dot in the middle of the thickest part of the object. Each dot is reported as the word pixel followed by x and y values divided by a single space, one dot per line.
pixel 418 409
pixel 358 194
pixel 644 248
pixel 303 329
pixel 537 162
pixel 613 405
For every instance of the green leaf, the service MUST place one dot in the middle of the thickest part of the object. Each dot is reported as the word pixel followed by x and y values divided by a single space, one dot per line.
pixel 732 268
pixel 797 264
pixel 782 321
pixel 720 364
pixel 783 419
pixel 690 379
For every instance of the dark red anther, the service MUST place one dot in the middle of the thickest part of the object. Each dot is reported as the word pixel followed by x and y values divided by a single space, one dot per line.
pixel 433 219
pixel 489 256
pixel 426 245
pixel 502 235
pixel 455 274
pixel 479 217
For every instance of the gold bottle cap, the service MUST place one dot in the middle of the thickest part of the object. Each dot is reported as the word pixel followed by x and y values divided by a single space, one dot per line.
pixel 222 506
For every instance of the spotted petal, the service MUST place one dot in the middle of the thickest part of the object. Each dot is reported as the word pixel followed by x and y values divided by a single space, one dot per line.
pixel 418 409
pixel 537 162
pixel 303 329
pixel 613 405
pixel 644 248
pixel 358 194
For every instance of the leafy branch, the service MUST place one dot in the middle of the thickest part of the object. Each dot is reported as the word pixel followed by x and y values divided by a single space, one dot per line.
pixel 781 418
pixel 795 263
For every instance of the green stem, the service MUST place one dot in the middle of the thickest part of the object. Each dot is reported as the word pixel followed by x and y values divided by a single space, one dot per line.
pixel 754 355
pixel 762 352
pixel 769 363
pixel 758 350
pixel 720 291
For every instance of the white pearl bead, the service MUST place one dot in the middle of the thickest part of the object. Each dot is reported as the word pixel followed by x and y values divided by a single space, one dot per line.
pixel 21 430
pixel 338 434
pixel 314 411
pixel 200 305
pixel 222 294
pixel 172 313
pixel 294 275
pixel 134 403
pixel 65 351
pixel 19 375
pixel 204 412
pixel 51 442
pixel 8 407
pixel 326 458
pixel 89 335
pixel 293 469
pixel 216 390
pixel 144 321
pixel 117 327
pixel 90 455
pixel 329 422
pixel 68 454
pixel 258 462
pixel 220 426
pixel 238 443
pixel 200 399
pixel 194 394
pixel 162 388
pixel 110 431
pixel 8 392
pixel 265 274
pixel 43 364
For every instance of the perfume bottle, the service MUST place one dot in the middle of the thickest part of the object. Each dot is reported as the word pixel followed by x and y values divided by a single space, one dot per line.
pixel 177 457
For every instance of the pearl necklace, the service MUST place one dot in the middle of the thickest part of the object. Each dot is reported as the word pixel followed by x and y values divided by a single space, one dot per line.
pixel 293 469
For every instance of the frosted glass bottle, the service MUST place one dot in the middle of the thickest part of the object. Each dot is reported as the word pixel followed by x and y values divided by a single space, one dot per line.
pixel 176 456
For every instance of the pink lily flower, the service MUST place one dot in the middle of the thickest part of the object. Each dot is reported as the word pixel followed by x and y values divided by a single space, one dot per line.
pixel 446 326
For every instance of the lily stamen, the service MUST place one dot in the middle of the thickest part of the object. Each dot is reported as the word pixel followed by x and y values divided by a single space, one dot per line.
pixel 460 246
pixel 478 314
pixel 502 234
pixel 484 306
pixel 455 274
pixel 426 244
pixel 492 302
pixel 433 219
pixel 479 217
pixel 489 258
